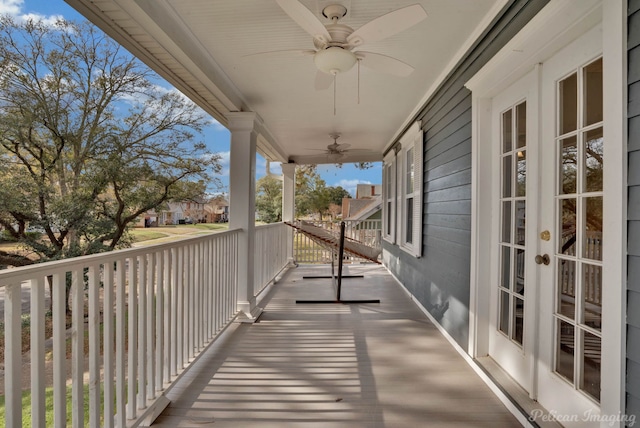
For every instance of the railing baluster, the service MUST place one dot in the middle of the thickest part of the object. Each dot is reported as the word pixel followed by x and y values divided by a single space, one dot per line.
pixel 150 327
pixel 159 313
pixel 13 354
pixel 94 345
pixel 142 332
pixel 121 343
pixel 59 350
pixel 133 337
pixel 77 347
pixel 108 320
pixel 180 314
pixel 37 353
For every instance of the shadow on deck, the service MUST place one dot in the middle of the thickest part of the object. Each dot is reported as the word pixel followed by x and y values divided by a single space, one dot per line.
pixel 334 365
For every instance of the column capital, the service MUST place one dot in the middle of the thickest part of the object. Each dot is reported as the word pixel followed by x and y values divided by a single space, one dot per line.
pixel 243 120
pixel 288 169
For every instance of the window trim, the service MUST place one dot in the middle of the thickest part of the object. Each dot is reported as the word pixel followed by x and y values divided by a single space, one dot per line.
pixel 394 177
pixel 412 139
pixel 389 198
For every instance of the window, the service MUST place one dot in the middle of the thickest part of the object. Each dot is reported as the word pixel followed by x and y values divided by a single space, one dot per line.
pixel 402 177
pixel 389 198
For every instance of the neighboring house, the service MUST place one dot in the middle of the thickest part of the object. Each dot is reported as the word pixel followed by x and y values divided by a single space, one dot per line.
pixel 511 175
pixel 364 191
pixel 362 209
pixel 217 210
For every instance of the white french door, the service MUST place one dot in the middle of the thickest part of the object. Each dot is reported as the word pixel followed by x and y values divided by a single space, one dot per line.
pixel 571 203
pixel 515 110
pixel 547 270
pixel 548 202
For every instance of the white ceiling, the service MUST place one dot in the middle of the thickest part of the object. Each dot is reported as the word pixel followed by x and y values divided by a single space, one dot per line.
pixel 206 47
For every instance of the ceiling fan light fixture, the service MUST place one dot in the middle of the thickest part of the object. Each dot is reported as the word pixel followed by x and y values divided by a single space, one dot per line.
pixel 334 60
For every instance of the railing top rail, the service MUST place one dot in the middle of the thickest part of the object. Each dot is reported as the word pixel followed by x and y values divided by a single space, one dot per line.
pixel 270 225
pixel 47 268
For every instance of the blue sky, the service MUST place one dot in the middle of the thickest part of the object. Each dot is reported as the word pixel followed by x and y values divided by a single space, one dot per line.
pixel 216 136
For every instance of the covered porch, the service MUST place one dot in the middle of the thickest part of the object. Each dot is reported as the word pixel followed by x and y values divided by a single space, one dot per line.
pixel 334 365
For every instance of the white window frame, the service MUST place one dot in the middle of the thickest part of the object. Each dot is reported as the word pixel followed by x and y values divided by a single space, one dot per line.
pixel 412 140
pixel 395 197
pixel 389 197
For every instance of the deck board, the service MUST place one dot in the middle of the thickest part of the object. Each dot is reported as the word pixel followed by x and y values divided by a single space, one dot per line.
pixel 334 365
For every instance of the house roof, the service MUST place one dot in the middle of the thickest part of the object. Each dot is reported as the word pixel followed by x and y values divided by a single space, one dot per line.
pixel 210 50
pixel 360 209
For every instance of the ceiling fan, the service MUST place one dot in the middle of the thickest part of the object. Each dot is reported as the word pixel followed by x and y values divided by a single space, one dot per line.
pixel 336 44
pixel 336 151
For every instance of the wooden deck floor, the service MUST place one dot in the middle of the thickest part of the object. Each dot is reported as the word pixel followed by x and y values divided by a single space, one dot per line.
pixel 334 365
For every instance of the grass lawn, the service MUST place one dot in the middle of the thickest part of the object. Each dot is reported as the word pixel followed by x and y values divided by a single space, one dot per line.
pixel 140 235
pixel 26 407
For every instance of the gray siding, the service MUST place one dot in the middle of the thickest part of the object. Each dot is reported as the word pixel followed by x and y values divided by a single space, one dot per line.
pixel 633 248
pixel 440 280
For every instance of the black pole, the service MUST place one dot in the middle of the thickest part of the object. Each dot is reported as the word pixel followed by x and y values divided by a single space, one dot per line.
pixel 340 258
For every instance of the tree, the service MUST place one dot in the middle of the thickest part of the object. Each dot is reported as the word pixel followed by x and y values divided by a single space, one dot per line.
pixel 312 193
pixel 337 194
pixel 88 142
pixel 269 199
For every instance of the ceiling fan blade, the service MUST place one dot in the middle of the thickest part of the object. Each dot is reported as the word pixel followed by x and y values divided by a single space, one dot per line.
pixel 301 52
pixel 344 146
pixel 387 25
pixel 385 64
pixel 305 19
pixel 323 81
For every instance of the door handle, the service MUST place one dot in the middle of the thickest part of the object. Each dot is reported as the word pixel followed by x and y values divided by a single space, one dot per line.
pixel 543 259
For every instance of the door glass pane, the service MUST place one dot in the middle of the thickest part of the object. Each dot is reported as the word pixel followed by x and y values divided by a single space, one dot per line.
pixel 521 177
pixel 568 166
pixel 568 108
pixel 505 267
pixel 593 153
pixel 521 125
pixel 519 272
pixel 518 320
pixel 567 224
pixel 521 214
pixel 592 80
pixel 506 221
pixel 567 288
pixel 565 349
pixel 592 229
pixel 592 295
pixel 507 135
pixel 591 351
pixel 503 317
pixel 507 176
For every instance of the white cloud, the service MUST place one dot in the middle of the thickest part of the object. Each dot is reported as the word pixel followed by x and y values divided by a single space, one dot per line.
pixel 15 9
pixel 11 7
pixel 224 162
pixel 49 21
pixel 351 185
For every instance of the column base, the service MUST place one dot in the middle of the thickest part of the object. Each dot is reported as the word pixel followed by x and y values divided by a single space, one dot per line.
pixel 247 315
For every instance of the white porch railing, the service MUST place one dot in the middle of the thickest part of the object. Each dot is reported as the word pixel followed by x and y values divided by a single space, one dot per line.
pixel 368 232
pixel 273 244
pixel 139 316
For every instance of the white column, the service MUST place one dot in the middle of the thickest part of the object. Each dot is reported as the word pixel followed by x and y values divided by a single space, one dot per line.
pixel 288 203
pixel 242 194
